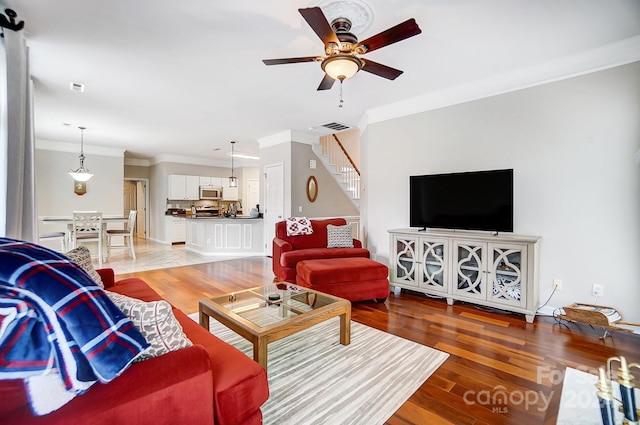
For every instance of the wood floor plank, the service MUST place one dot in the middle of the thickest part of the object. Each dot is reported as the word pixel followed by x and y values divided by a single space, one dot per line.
pixel 491 320
pixel 411 413
pixel 489 351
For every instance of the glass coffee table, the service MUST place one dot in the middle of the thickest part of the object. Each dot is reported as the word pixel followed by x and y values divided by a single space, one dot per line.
pixel 269 313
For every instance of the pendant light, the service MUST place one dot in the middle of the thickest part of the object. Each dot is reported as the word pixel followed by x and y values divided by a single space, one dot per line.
pixel 233 181
pixel 81 174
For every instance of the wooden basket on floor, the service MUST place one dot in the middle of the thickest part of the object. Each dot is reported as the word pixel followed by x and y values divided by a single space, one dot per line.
pixel 592 314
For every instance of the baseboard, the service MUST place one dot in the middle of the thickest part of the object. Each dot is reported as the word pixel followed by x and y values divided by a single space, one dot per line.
pixel 546 311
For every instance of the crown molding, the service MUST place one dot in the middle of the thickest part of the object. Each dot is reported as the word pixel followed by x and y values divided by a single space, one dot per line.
pixel 275 139
pixel 612 55
pixel 289 136
pixel 137 162
pixel 190 160
pixel 52 145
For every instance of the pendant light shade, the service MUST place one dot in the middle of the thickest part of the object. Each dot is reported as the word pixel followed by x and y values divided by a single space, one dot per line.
pixel 233 181
pixel 81 174
pixel 341 67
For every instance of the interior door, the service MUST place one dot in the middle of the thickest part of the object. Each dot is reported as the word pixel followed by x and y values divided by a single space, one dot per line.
pixel 135 198
pixel 274 202
pixel 129 196
pixel 130 203
pixel 141 207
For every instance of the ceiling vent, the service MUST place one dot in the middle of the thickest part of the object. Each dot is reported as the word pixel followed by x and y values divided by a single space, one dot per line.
pixel 336 126
pixel 77 87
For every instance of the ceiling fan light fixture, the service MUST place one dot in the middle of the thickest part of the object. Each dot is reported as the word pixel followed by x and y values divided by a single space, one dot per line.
pixel 341 67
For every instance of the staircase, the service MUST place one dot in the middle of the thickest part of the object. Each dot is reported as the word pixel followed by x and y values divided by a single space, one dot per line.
pixel 335 158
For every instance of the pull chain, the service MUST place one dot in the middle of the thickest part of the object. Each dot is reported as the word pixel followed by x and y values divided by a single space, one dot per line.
pixel 341 101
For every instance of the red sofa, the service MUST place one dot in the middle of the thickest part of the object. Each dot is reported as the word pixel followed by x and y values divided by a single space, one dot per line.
pixel 210 382
pixel 288 251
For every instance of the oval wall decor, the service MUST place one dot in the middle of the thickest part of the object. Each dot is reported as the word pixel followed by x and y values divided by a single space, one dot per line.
pixel 312 188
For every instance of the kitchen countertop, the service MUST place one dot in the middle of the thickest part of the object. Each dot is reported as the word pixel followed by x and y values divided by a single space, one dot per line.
pixel 240 217
pixel 202 217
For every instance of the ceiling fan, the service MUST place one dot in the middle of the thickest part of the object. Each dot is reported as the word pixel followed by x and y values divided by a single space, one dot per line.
pixel 342 49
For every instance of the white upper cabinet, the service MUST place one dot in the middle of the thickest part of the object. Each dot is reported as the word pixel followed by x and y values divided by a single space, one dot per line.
pixel 192 187
pixel 184 187
pixel 188 187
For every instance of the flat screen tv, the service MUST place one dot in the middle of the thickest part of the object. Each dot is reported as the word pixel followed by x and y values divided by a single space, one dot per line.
pixel 477 200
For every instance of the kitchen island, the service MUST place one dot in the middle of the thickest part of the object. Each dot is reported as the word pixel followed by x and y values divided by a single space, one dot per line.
pixel 240 236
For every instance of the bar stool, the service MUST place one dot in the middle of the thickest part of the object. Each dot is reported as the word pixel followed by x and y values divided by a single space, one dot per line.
pixel 50 236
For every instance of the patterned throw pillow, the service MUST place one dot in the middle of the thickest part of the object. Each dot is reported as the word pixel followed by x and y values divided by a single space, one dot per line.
pixel 156 322
pixel 299 226
pixel 339 236
pixel 82 257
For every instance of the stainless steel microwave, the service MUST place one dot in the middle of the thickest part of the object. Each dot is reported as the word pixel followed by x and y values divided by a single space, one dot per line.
pixel 210 192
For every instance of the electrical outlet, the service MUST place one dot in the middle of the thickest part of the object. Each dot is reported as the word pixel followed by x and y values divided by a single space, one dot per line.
pixel 300 208
pixel 597 290
pixel 557 284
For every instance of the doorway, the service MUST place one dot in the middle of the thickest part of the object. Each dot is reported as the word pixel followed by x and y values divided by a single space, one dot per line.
pixel 136 197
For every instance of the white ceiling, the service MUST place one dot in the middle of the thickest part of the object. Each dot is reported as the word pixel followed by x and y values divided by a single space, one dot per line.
pixel 184 78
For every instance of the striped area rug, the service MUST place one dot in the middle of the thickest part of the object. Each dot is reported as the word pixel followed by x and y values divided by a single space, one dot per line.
pixel 315 380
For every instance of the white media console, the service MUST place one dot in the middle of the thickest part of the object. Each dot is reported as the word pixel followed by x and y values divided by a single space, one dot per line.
pixel 499 271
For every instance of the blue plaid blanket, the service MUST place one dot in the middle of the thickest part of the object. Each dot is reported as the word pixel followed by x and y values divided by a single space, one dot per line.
pixel 56 321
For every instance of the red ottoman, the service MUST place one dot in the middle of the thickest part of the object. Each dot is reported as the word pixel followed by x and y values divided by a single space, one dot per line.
pixel 354 279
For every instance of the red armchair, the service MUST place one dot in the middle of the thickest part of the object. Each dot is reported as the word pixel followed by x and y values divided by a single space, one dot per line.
pixel 288 251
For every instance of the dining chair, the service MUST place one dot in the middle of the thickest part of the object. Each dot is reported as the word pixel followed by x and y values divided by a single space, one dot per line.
pixel 87 227
pixel 126 233
pixel 51 236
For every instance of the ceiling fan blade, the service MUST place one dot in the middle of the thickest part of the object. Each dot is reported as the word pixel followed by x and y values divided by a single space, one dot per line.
pixel 326 83
pixel 289 60
pixel 406 29
pixel 381 70
pixel 318 22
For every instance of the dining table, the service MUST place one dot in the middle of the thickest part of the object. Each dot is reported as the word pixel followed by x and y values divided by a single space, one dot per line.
pixel 68 220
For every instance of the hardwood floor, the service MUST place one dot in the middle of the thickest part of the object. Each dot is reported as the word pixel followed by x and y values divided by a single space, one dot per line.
pixel 490 353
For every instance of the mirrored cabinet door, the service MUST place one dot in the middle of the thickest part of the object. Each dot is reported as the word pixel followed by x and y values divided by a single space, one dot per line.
pixel 404 264
pixel 470 260
pixel 507 273
pixel 434 255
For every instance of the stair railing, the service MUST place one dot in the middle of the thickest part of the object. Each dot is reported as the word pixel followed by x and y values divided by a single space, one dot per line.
pixel 338 155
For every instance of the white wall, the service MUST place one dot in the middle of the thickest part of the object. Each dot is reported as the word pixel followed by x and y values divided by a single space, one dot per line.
pixel 276 154
pixel 571 144
pixel 54 187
